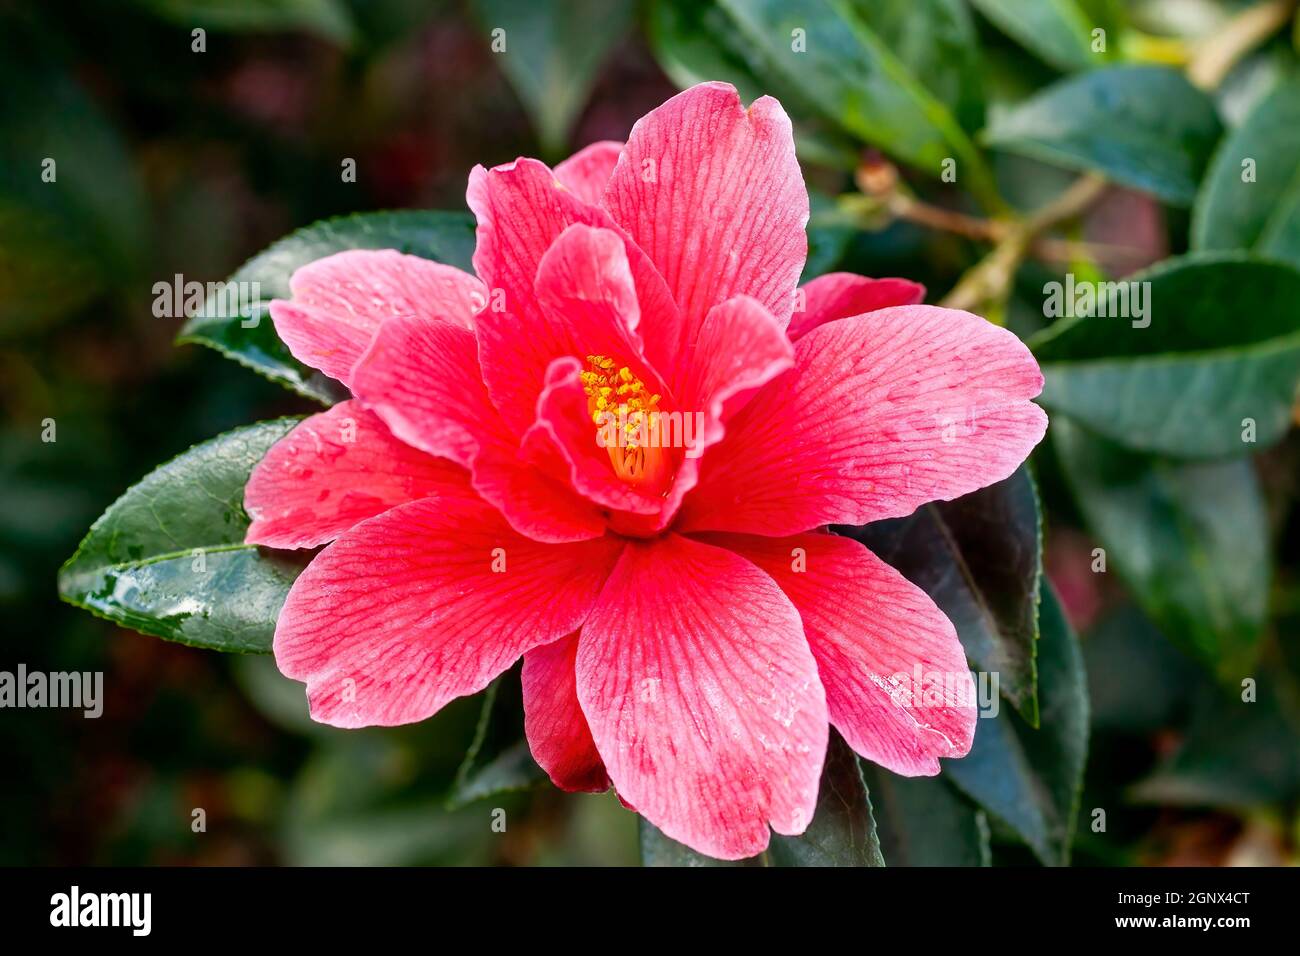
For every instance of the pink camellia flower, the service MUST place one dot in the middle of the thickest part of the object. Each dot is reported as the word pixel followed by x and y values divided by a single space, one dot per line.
pixel 688 628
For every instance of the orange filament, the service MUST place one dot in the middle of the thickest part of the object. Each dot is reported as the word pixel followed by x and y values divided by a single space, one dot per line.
pixel 627 417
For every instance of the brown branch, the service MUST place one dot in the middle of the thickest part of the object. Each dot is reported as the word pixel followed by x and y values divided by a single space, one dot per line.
pixel 1216 56
pixel 910 209
pixel 879 180
pixel 991 277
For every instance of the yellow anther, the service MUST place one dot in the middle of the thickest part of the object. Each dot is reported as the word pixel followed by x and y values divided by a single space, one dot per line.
pixel 632 442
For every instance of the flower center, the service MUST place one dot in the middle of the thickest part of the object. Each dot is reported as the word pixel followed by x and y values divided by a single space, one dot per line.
pixel 627 419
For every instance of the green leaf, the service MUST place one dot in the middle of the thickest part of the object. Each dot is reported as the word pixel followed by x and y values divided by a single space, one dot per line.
pixel 553 49
pixel 843 831
pixel 1030 779
pixel 168 558
pixel 696 42
pixel 249 336
pixel 498 760
pixel 922 821
pixel 1141 126
pixel 1256 206
pixel 326 18
pixel 848 71
pixel 1056 31
pixel 1217 350
pixel 72 208
pixel 1190 539
pixel 936 40
pixel 979 557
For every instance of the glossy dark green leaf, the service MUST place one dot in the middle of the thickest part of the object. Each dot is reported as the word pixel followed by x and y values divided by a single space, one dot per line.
pixel 72 209
pixel 843 830
pixel 1189 538
pixel 498 760
pixel 552 50
pixel 979 558
pixel 326 18
pixel 923 821
pixel 1029 779
pixel 842 65
pixel 168 558
pixel 1210 370
pixel 1251 196
pixel 1141 126
pixel 249 336
pixel 1057 31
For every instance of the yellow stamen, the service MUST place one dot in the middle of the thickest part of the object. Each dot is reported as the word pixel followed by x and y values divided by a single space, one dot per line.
pixel 630 425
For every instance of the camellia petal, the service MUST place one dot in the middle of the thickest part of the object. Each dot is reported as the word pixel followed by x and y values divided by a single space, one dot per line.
pixel 558 735
pixel 422 379
pixel 340 301
pixel 334 470
pixel 841 295
pixel 897 685
pixel 427 602
pixel 703 697
pixel 741 347
pixel 586 173
pixel 713 193
pixel 522 210
pixel 584 284
pixel 587 292
pixel 882 413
